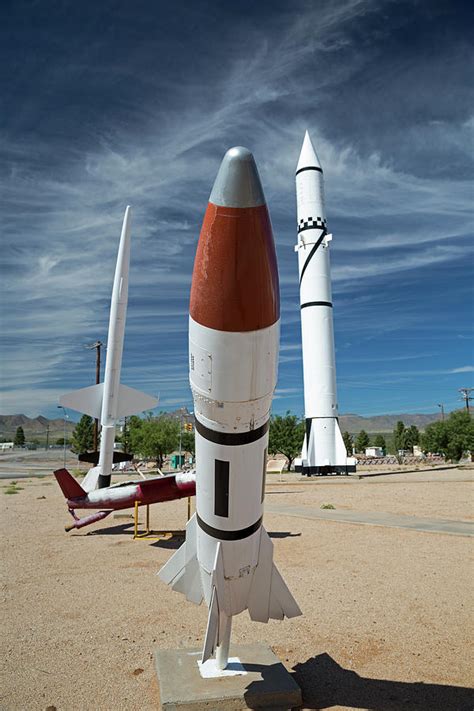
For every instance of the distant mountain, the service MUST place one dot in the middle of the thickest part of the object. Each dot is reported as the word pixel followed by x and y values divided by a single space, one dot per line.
pixel 383 423
pixel 33 427
pixel 36 427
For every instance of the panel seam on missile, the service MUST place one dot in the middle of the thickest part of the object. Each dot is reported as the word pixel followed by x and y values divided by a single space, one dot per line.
pixel 310 167
pixel 231 439
pixel 222 535
pixel 316 303
pixel 311 254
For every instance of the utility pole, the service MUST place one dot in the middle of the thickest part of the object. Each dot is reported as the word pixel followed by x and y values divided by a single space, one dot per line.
pixel 441 405
pixel 97 345
pixel 47 436
pixel 466 396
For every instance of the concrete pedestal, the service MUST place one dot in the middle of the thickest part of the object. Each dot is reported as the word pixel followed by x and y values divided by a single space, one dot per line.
pixel 255 679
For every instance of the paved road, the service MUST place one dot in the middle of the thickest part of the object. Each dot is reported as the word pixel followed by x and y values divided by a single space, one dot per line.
pixel 371 518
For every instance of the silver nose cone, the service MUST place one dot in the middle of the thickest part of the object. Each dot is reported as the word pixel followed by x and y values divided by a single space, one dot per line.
pixel 237 183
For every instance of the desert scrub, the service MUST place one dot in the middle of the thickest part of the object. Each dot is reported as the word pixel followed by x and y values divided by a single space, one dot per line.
pixel 328 506
pixel 13 488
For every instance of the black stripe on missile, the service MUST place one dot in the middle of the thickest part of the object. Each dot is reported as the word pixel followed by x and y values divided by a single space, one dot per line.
pixel 228 535
pixel 311 167
pixel 311 254
pixel 312 227
pixel 231 439
pixel 316 303
pixel 221 488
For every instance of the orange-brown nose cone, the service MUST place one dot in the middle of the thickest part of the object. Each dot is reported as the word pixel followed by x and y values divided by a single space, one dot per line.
pixel 235 278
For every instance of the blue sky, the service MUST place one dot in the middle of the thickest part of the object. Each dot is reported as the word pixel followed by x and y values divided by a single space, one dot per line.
pixel 115 103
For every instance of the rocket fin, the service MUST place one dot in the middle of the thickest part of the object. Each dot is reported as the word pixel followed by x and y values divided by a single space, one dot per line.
pixel 182 569
pixel 91 480
pixel 269 596
pixel 212 631
pixel 86 400
pixel 131 401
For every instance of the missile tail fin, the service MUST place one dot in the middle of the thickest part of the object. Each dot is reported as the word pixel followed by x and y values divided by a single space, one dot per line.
pixel 182 571
pixel 340 447
pixel 269 595
pixel 91 480
pixel 212 631
pixel 69 486
pixel 86 400
pixel 131 401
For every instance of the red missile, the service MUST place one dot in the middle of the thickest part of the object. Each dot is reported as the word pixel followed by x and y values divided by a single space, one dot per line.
pixel 124 495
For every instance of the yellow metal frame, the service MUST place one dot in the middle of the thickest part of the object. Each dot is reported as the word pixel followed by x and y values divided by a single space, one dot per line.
pixel 148 533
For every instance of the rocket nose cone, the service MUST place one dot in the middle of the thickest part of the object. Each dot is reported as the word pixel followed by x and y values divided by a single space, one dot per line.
pixel 237 183
pixel 308 157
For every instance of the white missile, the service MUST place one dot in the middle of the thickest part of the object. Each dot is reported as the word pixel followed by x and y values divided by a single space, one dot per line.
pixel 109 401
pixel 234 324
pixel 324 451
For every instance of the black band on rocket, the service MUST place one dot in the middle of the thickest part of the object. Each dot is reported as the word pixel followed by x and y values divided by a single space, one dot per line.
pixel 311 167
pixel 228 535
pixel 231 439
pixel 316 303
pixel 311 254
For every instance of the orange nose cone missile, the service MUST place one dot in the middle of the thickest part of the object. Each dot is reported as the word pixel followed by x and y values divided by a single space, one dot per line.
pixel 235 278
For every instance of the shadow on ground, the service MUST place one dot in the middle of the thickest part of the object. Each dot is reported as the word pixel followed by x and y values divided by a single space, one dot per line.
pixel 325 684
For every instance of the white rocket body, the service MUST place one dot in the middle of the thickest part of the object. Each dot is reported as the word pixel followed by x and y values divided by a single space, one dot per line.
pixel 227 558
pixel 109 401
pixel 324 451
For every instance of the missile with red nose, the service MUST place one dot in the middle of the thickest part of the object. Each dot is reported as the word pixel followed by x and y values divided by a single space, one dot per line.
pixel 324 451
pixel 234 323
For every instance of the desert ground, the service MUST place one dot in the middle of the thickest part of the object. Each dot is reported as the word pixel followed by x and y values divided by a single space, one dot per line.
pixel 387 611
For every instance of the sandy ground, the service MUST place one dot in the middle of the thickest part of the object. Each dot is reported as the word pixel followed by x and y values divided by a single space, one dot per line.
pixel 387 618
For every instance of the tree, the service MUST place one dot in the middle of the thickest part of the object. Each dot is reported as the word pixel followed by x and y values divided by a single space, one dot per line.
pixel 19 440
pixel 412 437
pixel 399 434
pixel 188 442
pixel 379 441
pixel 286 436
pixel 155 437
pixel 60 441
pixel 83 435
pixel 362 441
pixel 349 442
pixel 450 437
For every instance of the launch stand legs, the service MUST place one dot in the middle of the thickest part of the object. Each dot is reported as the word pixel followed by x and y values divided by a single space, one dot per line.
pixel 148 534
pixel 222 652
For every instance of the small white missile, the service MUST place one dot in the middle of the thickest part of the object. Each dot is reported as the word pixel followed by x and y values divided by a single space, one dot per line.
pixel 324 451
pixel 109 401
pixel 234 325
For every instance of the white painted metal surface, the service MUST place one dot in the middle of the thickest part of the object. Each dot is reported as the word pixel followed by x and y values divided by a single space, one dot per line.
pixel 109 401
pixel 324 448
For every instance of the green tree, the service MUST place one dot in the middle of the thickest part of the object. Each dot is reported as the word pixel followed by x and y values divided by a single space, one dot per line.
pixel 451 437
pixel 286 436
pixel 379 441
pixel 349 443
pixel 412 437
pixel 188 442
pixel 83 435
pixel 60 441
pixel 362 441
pixel 19 440
pixel 399 434
pixel 155 437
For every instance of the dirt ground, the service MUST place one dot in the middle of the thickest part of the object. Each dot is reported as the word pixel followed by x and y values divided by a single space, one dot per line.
pixel 387 614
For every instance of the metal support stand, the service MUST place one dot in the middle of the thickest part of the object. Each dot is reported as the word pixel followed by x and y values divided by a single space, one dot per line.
pixel 149 534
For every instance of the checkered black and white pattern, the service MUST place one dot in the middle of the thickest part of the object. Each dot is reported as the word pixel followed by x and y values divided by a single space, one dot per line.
pixel 312 223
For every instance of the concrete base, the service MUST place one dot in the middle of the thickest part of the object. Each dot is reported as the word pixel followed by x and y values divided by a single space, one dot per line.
pixel 264 682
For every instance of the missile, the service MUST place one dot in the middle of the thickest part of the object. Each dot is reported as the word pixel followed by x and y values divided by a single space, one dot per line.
pixel 110 400
pixel 324 451
pixel 234 323
pixel 122 496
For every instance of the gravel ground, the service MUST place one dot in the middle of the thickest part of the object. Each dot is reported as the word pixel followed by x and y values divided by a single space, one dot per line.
pixel 386 625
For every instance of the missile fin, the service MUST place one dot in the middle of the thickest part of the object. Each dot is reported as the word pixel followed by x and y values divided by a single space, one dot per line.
pixel 91 480
pixel 86 400
pixel 210 642
pixel 341 450
pixel 131 401
pixel 269 596
pixel 182 570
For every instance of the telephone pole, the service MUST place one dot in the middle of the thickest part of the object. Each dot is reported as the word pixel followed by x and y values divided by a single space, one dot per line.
pixel 441 405
pixel 97 345
pixel 466 396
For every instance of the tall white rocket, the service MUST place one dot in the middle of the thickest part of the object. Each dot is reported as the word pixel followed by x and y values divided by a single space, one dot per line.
pixel 324 451
pixel 110 400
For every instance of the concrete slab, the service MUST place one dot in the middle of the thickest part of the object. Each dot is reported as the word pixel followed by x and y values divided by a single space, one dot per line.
pixel 265 683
